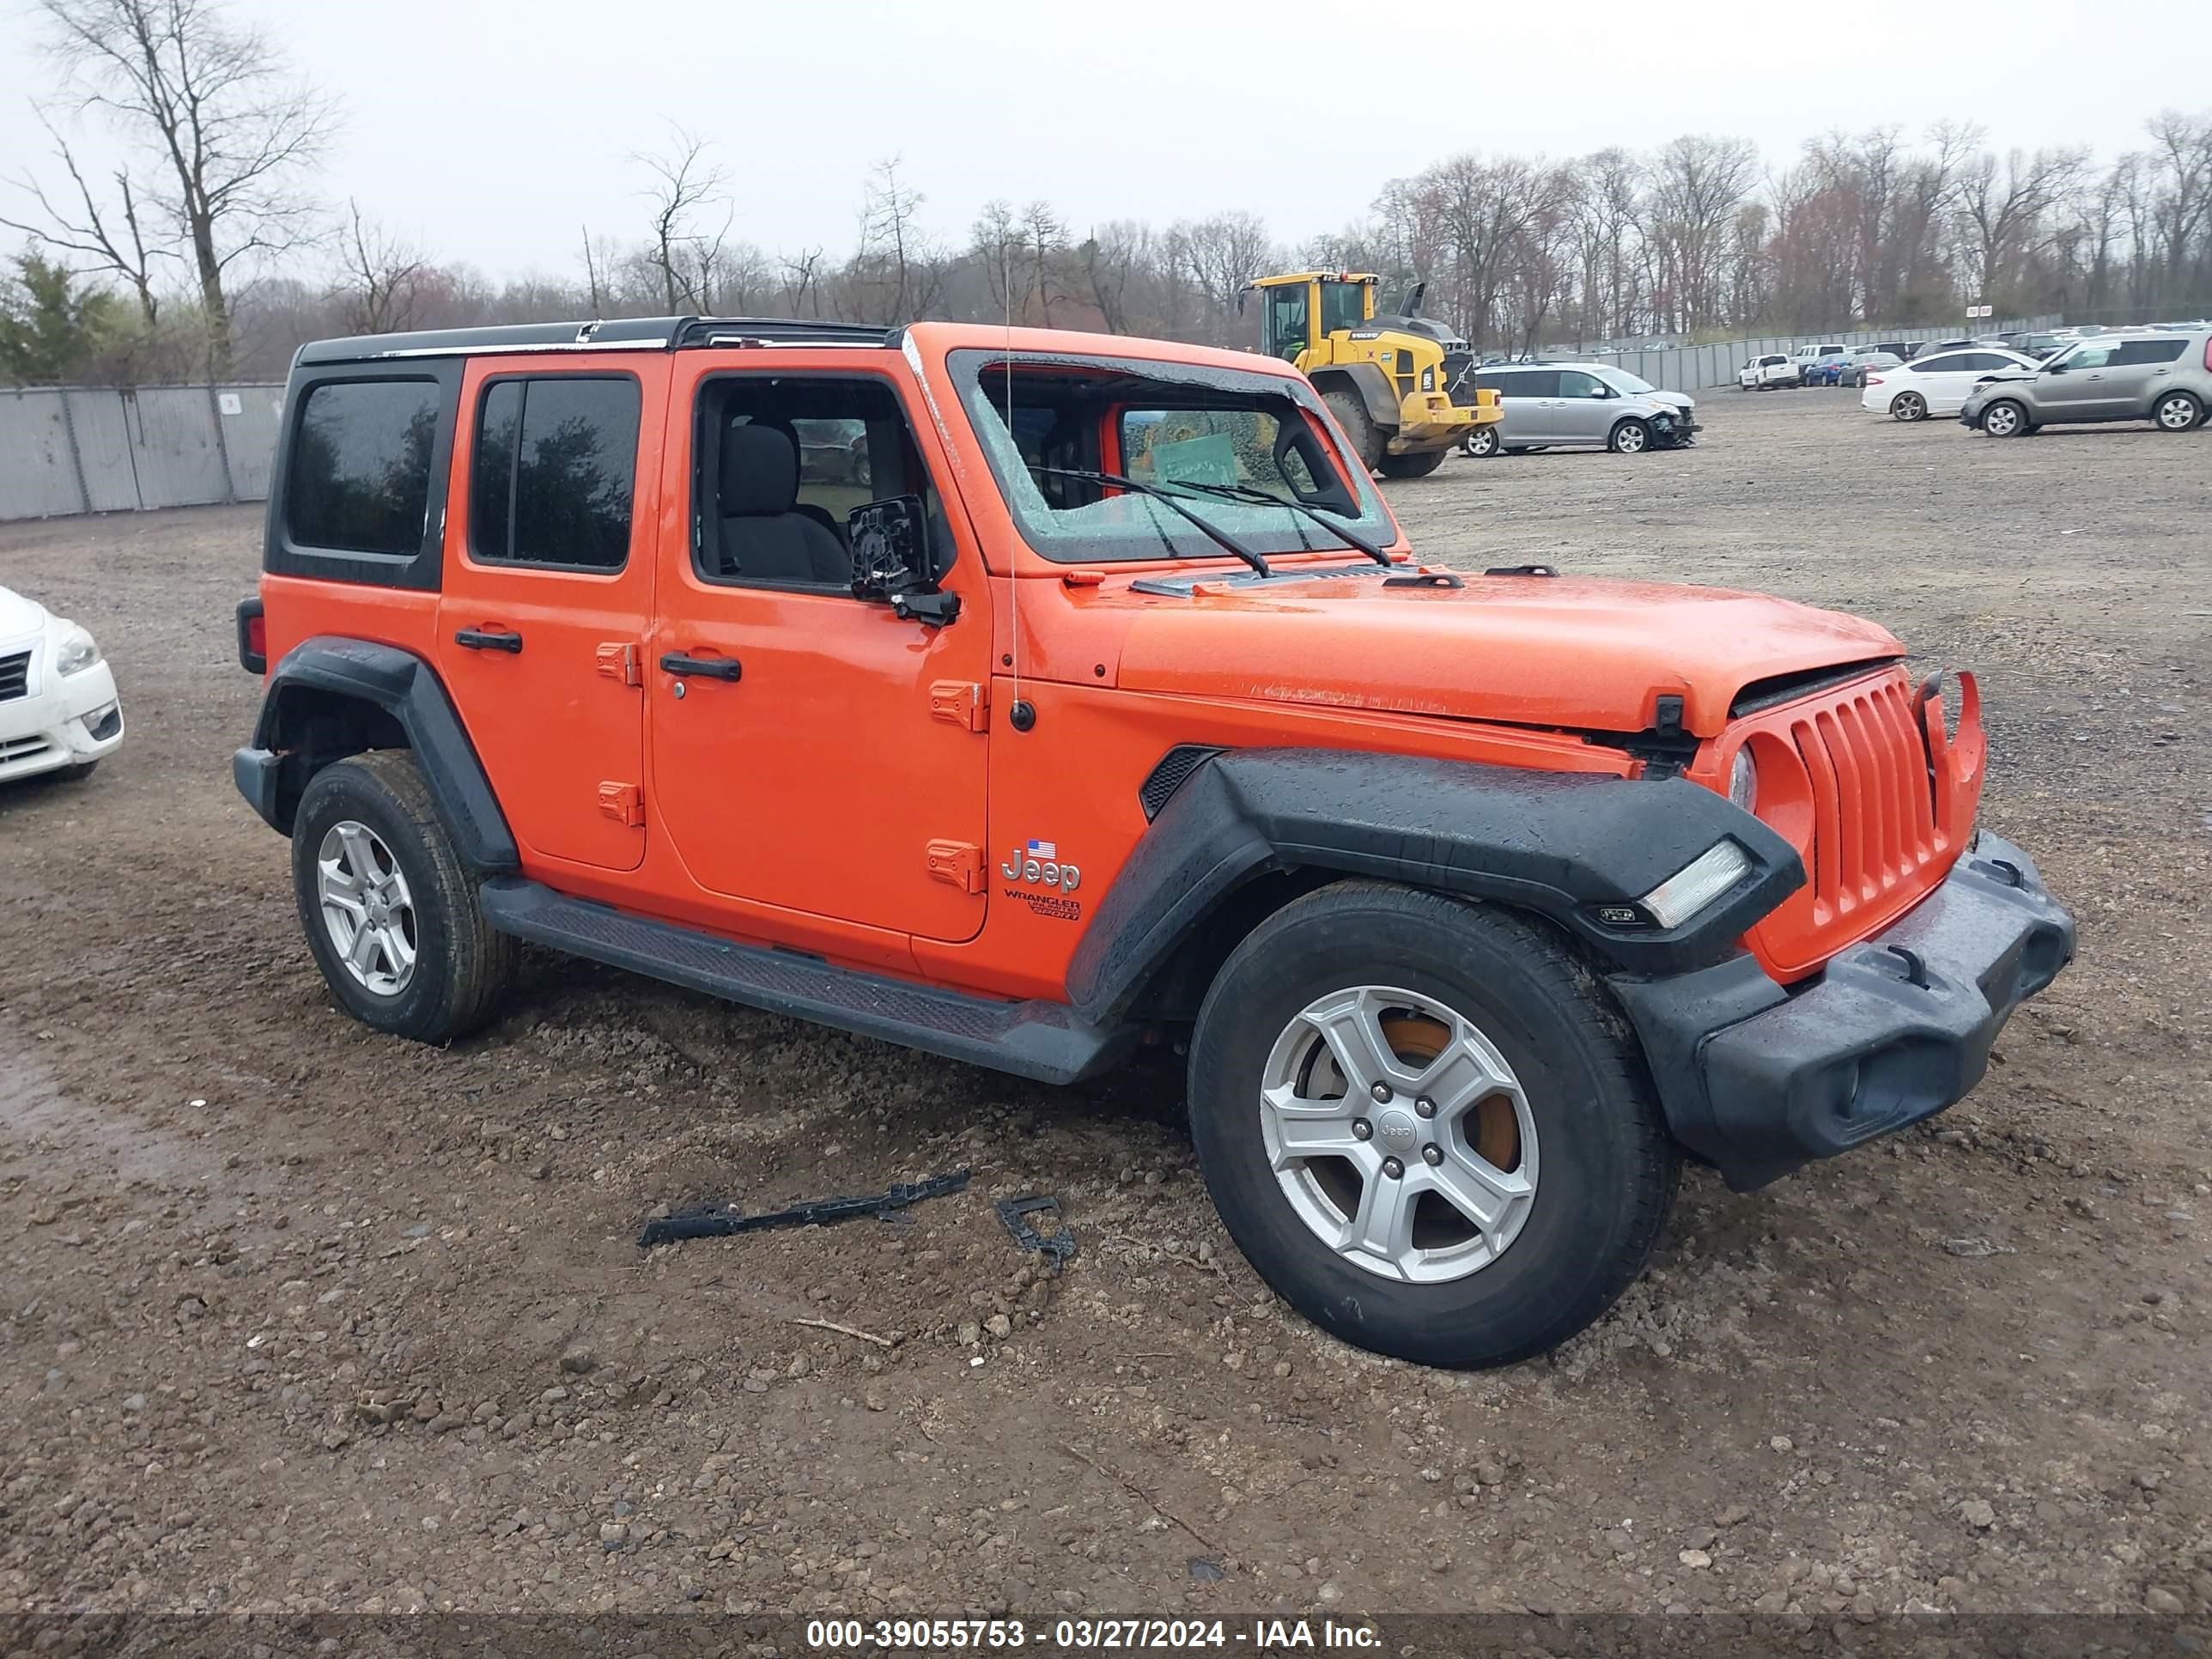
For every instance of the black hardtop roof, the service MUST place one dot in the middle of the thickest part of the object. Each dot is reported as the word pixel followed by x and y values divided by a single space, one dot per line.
pixel 614 334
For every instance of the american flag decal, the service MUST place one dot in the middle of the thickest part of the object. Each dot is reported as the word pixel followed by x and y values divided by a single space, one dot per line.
pixel 1044 849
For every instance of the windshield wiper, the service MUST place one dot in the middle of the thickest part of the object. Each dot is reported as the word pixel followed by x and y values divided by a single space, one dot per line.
pixel 1322 516
pixel 1214 532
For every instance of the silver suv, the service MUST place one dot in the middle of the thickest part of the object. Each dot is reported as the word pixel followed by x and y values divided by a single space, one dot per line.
pixel 2165 378
pixel 1578 406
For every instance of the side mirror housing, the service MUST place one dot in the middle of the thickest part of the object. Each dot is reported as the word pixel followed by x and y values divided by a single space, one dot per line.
pixel 892 563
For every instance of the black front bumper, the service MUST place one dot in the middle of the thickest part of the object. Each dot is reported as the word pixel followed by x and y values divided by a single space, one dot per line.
pixel 1757 1080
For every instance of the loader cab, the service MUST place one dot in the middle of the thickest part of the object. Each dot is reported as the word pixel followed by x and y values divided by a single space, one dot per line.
pixel 1301 310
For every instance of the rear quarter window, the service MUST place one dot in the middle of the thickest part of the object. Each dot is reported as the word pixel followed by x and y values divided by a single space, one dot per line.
pixel 360 473
pixel 360 476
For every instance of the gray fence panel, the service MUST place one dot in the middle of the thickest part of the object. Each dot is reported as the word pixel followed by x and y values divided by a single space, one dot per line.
pixel 173 443
pixel 38 477
pixel 249 436
pixel 103 443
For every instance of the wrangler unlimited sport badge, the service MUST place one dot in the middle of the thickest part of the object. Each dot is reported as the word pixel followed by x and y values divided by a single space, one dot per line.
pixel 1037 866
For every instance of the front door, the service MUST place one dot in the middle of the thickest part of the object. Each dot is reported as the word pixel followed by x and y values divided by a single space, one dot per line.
pixel 1586 407
pixel 548 588
pixel 2088 388
pixel 811 751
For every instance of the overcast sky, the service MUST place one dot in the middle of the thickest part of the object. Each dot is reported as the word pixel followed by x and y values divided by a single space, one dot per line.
pixel 491 130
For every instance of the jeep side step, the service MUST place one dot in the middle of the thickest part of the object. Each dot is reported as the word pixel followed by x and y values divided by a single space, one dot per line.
pixel 1043 1041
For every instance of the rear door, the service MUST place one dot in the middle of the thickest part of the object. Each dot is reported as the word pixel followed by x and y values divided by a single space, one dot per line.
pixel 1945 380
pixel 548 588
pixel 1538 392
pixel 2081 385
pixel 2141 369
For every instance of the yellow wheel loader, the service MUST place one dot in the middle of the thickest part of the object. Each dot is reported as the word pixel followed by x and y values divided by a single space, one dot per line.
pixel 1398 384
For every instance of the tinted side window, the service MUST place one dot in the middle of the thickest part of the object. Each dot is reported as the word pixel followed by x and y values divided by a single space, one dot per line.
pixel 554 470
pixel 1945 365
pixel 1530 383
pixel 1573 383
pixel 360 475
pixel 2149 351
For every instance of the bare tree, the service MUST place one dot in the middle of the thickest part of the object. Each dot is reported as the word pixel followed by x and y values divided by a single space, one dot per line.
pixel 887 228
pixel 113 237
pixel 1697 184
pixel 1044 240
pixel 993 242
pixel 235 134
pixel 802 280
pixel 2003 211
pixel 385 277
pixel 685 186
pixel 1113 255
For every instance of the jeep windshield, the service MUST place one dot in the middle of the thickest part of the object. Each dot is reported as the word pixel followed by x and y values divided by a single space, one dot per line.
pixel 1045 420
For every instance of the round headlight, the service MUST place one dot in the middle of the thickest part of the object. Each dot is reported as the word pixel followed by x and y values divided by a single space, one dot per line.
pixel 1743 780
pixel 76 652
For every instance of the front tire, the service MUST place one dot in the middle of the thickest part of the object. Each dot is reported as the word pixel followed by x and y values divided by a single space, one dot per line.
pixel 1424 1126
pixel 389 909
pixel 1630 437
pixel 1351 412
pixel 2004 419
pixel 2176 412
pixel 1908 406
pixel 1419 464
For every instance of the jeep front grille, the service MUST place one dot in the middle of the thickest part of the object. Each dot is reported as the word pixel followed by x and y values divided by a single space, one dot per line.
pixel 1878 804
pixel 14 675
pixel 1873 826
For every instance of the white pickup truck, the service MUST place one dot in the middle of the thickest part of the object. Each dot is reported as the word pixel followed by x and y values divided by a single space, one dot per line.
pixel 1763 373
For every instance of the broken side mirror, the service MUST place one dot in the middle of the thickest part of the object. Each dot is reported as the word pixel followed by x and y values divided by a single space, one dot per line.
pixel 891 560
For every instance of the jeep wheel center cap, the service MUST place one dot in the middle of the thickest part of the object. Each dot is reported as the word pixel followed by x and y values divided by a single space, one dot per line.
pixel 1396 1130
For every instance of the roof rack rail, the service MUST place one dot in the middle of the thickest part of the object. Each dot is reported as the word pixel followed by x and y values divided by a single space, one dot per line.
pixel 610 334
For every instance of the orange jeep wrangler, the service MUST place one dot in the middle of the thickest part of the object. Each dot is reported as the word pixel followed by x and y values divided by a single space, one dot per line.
pixel 1025 696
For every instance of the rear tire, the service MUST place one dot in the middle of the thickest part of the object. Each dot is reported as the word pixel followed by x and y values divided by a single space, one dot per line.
pixel 1482 443
pixel 1418 464
pixel 2176 412
pixel 1539 1088
pixel 368 840
pixel 1351 412
pixel 1630 437
pixel 1908 406
pixel 2005 419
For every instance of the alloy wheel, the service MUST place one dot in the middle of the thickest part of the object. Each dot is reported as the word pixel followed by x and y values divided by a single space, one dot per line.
pixel 368 913
pixel 1399 1133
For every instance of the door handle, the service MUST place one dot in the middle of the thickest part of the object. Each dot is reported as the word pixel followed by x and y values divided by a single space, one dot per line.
pixel 714 668
pixel 489 639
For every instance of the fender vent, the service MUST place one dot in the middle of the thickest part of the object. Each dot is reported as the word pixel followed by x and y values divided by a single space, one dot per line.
pixel 1173 772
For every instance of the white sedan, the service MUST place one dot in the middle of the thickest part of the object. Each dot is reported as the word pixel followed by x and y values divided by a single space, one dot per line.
pixel 1937 384
pixel 58 711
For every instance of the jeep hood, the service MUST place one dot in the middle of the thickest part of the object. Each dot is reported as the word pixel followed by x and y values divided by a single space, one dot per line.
pixel 1572 652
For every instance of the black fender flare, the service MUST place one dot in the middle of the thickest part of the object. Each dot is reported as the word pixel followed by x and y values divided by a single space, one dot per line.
pixel 1375 388
pixel 271 772
pixel 1557 843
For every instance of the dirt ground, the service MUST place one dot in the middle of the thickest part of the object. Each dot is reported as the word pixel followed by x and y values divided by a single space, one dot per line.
pixel 297 1317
